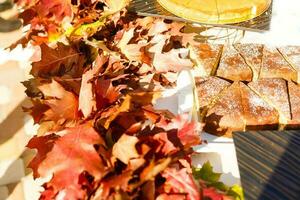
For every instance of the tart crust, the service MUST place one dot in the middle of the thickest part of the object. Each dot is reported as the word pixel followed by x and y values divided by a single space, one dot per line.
pixel 216 12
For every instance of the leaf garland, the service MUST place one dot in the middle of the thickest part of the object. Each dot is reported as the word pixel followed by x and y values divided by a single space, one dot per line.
pixel 101 70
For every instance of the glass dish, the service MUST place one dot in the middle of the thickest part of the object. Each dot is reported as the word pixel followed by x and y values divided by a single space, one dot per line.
pixel 216 11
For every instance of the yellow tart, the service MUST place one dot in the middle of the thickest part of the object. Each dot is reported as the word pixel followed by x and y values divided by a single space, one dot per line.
pixel 216 11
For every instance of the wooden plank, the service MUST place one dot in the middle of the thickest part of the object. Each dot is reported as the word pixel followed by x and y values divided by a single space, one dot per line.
pixel 269 164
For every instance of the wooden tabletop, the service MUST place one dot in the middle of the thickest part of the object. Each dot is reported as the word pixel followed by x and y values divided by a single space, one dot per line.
pixel 269 164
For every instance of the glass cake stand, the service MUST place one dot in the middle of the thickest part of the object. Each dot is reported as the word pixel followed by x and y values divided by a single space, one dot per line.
pixel 216 11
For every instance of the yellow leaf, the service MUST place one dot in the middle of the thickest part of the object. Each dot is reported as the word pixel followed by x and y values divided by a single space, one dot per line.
pixel 114 6
pixel 125 149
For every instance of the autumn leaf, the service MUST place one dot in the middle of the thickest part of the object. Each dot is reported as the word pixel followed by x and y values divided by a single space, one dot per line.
pixel 67 154
pixel 116 5
pixel 148 190
pixel 31 86
pixel 188 37
pixel 185 131
pixel 87 96
pixel 43 146
pixel 25 2
pixel 85 30
pixel 206 173
pixel 178 61
pixel 179 181
pixel 124 149
pixel 111 114
pixel 212 194
pixel 62 103
pixel 167 147
pixel 63 145
pixel 131 51
pixel 171 196
pixel 158 27
pixel 110 68
pixel 236 192
pixel 154 168
pixel 46 18
pixel 58 62
pixel 37 111
pixel 69 187
pixel 87 102
pixel 56 8
pixel 106 93
pixel 145 98
pixel 89 29
pixel 212 187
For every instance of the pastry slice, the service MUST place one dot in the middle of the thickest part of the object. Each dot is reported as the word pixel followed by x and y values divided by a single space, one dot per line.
pixel 275 66
pixel 252 54
pixel 258 114
pixel 208 90
pixel 206 57
pixel 292 55
pixel 226 115
pixel 275 93
pixel 233 66
pixel 294 93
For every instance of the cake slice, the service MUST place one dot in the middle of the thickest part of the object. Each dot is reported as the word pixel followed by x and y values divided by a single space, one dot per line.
pixel 275 66
pixel 258 114
pixel 206 57
pixel 208 90
pixel 252 54
pixel 292 55
pixel 294 93
pixel 226 115
pixel 275 93
pixel 233 66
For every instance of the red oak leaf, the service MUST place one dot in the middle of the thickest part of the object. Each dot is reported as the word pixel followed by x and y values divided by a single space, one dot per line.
pixel 181 182
pixel 59 9
pixel 37 110
pixel 63 104
pixel 171 197
pixel 148 190
pixel 107 71
pixel 58 62
pixel 112 113
pixel 167 147
pixel 43 145
pixel 65 188
pixel 176 29
pixel 131 51
pixel 172 61
pixel 212 194
pixel 187 132
pixel 113 183
pixel 67 155
pixel 87 102
pixel 158 27
pixel 106 93
pixel 154 168
pixel 87 97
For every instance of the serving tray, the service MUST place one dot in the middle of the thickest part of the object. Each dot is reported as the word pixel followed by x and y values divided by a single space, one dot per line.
pixel 219 151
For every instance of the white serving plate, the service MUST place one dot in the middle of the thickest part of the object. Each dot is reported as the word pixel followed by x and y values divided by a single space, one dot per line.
pixel 219 151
